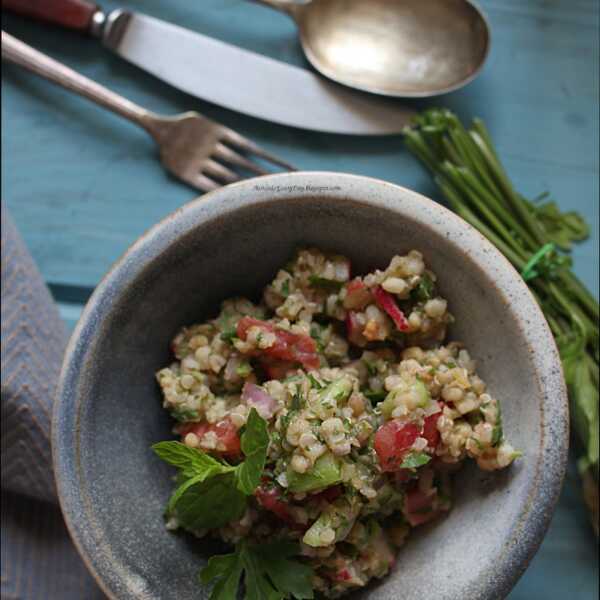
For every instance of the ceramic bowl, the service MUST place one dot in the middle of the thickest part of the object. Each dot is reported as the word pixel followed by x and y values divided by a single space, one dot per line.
pixel 231 242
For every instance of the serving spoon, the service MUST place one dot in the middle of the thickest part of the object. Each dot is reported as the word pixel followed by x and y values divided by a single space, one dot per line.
pixel 406 48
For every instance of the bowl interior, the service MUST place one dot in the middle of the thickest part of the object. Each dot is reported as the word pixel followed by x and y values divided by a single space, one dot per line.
pixel 109 410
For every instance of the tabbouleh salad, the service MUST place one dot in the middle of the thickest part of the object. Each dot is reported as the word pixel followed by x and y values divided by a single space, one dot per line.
pixel 321 425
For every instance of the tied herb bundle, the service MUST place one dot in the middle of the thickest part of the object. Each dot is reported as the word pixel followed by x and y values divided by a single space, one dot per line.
pixel 536 237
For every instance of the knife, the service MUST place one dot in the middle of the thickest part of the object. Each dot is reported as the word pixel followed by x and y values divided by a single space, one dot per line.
pixel 224 74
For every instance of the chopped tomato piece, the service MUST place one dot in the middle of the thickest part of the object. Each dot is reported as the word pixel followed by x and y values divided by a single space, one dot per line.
pixel 342 575
pixel 419 507
pixel 393 441
pixel 430 430
pixel 357 295
pixel 228 440
pixel 386 302
pixel 288 346
pixel 270 499
pixel 276 369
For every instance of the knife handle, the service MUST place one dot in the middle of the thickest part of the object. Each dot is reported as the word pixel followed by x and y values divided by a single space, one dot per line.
pixel 73 14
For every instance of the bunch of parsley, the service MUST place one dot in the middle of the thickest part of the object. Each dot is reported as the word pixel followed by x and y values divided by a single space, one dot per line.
pixel 211 493
pixel 536 238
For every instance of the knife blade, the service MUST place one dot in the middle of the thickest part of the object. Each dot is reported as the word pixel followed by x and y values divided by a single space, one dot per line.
pixel 224 74
pixel 245 81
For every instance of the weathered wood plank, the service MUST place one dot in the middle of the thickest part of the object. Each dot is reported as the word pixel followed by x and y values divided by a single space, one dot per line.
pixel 82 184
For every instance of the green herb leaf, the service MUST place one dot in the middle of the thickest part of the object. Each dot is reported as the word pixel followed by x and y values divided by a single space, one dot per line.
pixel 243 370
pixel 208 503
pixel 375 396
pixel 371 368
pixel 314 382
pixel 254 442
pixel 270 573
pixel 497 435
pixel 191 462
pixel 288 575
pixel 227 569
pixel 285 288
pixel 424 289
pixel 211 493
pixel 415 460
pixel 497 432
pixel 329 285
pixel 297 400
pixel 229 336
pixel 183 415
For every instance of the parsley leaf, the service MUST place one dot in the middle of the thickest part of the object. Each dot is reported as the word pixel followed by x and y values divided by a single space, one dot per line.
pixel 191 462
pixel 227 569
pixel 254 442
pixel 270 573
pixel 329 285
pixel 285 288
pixel 414 460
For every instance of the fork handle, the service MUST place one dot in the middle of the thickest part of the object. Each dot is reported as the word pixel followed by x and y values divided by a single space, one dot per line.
pixel 21 54
pixel 73 14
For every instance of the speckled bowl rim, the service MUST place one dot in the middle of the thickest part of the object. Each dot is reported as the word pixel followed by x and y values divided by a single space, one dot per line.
pixel 537 511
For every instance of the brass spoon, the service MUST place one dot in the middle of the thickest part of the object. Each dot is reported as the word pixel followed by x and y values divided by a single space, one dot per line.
pixel 408 48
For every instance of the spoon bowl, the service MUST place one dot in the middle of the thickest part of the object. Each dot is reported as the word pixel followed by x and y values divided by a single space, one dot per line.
pixel 404 48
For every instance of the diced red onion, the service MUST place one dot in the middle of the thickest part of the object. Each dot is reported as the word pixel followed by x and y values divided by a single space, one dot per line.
pixel 254 396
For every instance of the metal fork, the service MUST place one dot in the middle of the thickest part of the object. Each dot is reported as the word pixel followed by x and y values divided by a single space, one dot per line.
pixel 199 151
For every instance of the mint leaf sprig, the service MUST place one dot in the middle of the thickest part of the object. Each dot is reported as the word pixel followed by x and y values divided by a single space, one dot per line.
pixel 211 492
pixel 268 570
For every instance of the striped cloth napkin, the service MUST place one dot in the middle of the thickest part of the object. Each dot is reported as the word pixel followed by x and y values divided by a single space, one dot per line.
pixel 39 560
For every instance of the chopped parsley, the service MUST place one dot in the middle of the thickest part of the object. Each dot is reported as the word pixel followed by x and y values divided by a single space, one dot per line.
pixel 371 368
pixel 329 285
pixel 375 396
pixel 314 382
pixel 424 290
pixel 415 460
pixel 243 370
pixel 185 414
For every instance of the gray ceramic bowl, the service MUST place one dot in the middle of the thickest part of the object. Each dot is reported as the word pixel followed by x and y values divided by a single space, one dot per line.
pixel 113 490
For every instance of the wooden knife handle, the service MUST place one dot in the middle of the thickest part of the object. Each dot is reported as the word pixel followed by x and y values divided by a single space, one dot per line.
pixel 73 14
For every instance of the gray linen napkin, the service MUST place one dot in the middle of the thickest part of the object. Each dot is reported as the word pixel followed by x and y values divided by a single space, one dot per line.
pixel 39 560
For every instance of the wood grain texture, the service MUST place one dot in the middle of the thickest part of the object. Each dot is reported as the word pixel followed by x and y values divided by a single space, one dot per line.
pixel 82 185
pixel 73 14
pixel 97 185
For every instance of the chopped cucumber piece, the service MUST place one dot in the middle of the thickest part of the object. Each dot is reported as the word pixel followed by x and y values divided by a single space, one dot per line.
pixel 325 473
pixel 330 397
pixel 333 525
pixel 418 388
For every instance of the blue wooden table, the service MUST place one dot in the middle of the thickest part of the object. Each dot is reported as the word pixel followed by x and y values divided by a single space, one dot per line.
pixel 82 185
